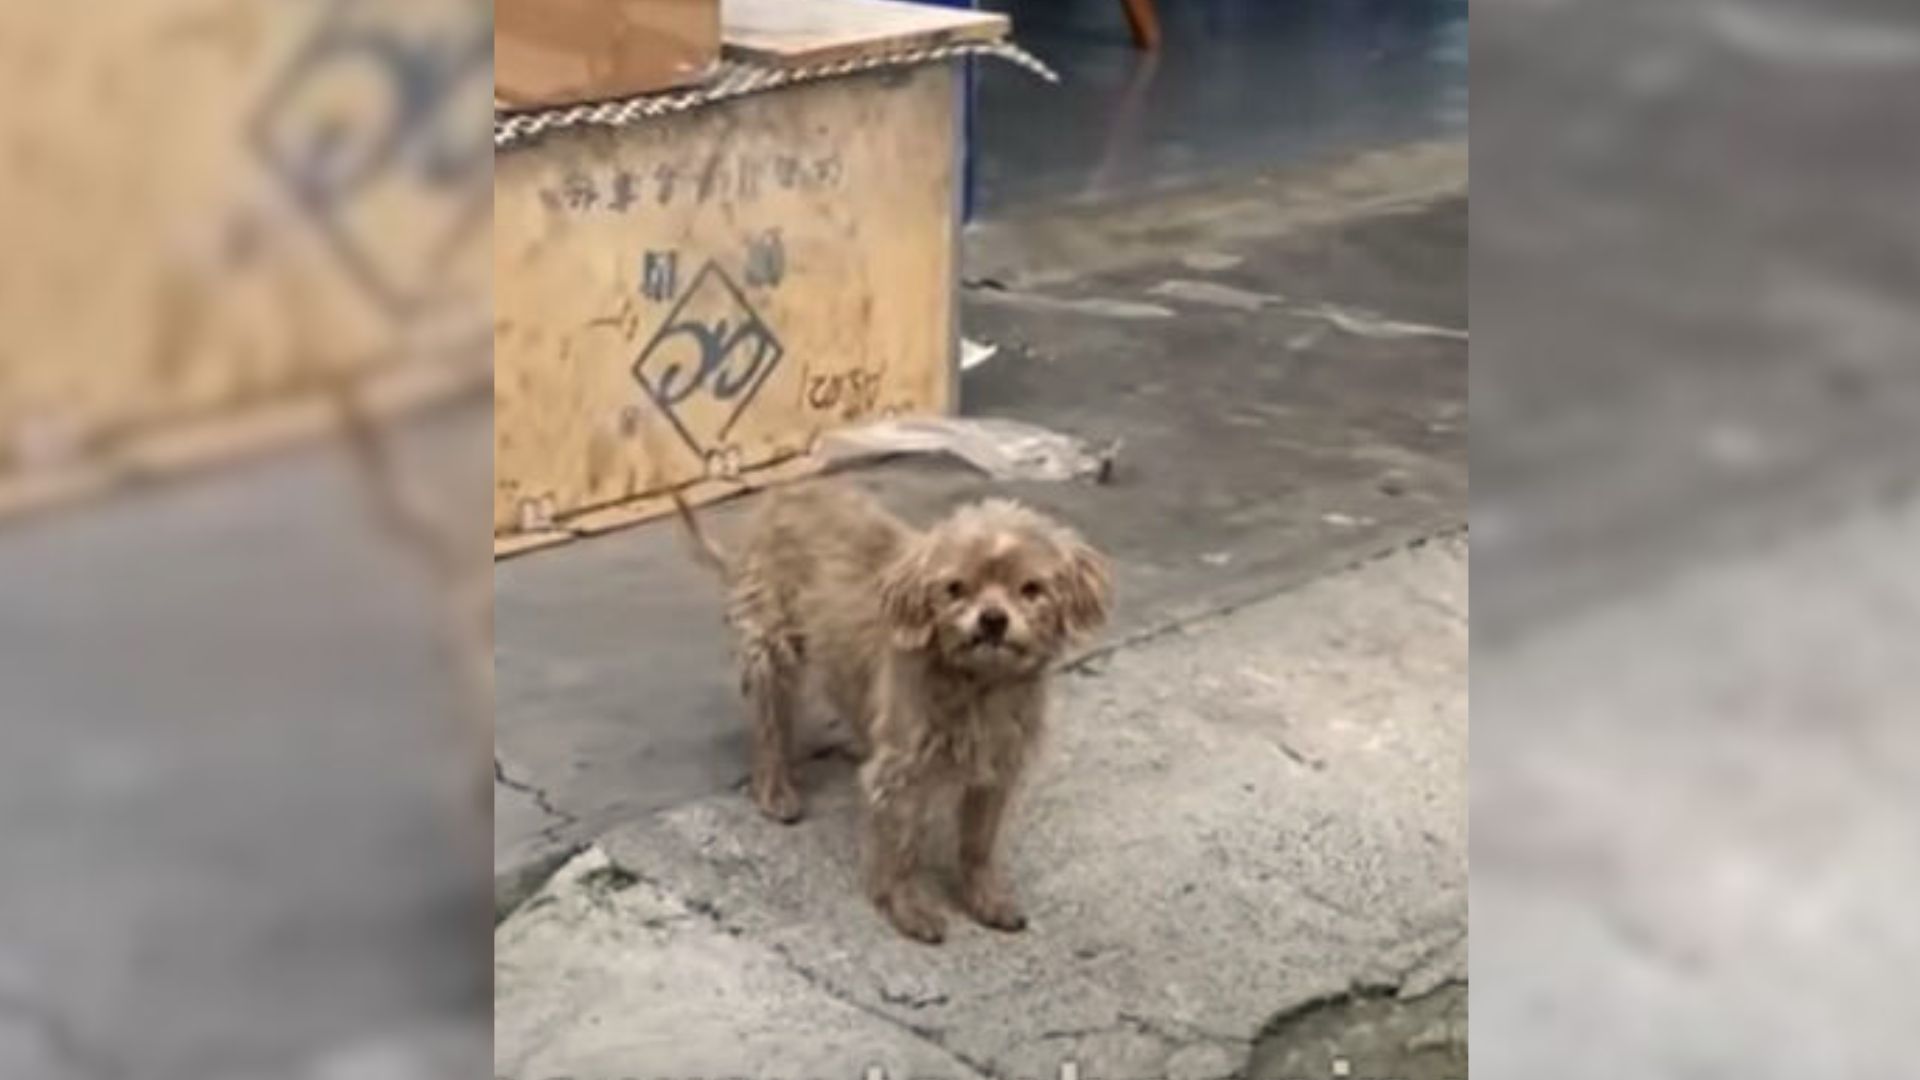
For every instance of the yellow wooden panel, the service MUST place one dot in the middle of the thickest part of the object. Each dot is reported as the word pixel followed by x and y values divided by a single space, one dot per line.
pixel 202 216
pixel 704 294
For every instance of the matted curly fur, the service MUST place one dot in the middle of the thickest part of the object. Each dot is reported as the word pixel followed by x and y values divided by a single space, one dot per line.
pixel 935 648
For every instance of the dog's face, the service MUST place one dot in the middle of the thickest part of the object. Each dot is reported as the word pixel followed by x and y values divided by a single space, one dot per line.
pixel 996 589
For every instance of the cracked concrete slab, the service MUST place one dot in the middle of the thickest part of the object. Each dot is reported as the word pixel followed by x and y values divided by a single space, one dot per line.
pixel 604 975
pixel 528 846
pixel 518 809
pixel 1247 814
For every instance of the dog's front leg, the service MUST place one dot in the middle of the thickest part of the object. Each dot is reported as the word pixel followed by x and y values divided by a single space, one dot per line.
pixel 896 805
pixel 983 889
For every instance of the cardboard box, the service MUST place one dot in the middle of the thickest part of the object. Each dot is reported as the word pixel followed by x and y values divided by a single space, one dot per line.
pixel 562 52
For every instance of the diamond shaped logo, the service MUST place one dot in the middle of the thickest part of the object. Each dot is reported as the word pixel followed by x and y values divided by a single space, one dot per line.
pixel 713 346
pixel 375 129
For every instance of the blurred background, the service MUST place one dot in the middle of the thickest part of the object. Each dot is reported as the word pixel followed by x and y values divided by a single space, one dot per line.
pixel 237 835
pixel 1696 424
pixel 1234 87
pixel 238 826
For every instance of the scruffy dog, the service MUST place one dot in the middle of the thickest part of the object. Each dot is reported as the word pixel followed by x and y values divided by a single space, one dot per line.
pixel 933 646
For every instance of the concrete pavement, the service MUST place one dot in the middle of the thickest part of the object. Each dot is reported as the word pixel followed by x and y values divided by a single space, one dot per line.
pixel 1254 813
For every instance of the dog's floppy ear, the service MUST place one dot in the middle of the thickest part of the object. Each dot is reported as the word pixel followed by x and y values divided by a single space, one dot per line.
pixel 1086 587
pixel 906 598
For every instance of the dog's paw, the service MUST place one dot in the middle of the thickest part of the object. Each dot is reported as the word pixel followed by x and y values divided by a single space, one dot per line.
pixel 916 919
pixel 779 800
pixel 994 907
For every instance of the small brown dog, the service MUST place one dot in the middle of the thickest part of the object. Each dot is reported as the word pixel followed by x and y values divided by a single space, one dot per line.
pixel 935 648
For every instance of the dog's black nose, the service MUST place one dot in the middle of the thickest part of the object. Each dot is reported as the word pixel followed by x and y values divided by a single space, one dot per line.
pixel 993 623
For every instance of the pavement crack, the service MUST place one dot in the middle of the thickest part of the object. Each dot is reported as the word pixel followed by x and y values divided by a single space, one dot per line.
pixel 1437 606
pixel 1280 1022
pixel 1426 957
pixel 1052 1034
pixel 1299 757
pixel 560 819
pixel 1315 896
pixel 1640 939
pixel 1179 1034
pixel 63 1042
pixel 1172 1036
pixel 718 918
pixel 1092 660
pixel 912 1000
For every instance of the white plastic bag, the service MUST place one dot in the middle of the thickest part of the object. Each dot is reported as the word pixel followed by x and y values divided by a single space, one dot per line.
pixel 1003 449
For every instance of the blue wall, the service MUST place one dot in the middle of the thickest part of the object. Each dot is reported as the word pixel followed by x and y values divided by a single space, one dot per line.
pixel 966 123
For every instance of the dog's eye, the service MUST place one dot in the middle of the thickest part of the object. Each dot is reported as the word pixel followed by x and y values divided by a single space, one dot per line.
pixel 956 589
pixel 1033 590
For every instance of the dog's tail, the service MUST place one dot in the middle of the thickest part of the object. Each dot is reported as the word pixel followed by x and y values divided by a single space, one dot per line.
pixel 705 551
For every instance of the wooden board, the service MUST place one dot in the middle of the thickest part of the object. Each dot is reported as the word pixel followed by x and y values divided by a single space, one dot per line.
pixel 793 33
pixel 563 52
pixel 699 297
pixel 178 252
pixel 649 507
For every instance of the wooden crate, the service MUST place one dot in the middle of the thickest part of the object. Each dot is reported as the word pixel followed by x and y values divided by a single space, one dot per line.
pixel 182 263
pixel 698 297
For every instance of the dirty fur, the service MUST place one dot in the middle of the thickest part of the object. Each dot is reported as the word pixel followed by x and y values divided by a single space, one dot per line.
pixel 934 646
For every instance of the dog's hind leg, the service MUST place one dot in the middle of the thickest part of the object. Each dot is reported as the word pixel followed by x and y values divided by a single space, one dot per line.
pixel 770 679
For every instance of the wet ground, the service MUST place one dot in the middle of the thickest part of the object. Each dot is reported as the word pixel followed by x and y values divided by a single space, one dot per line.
pixel 1368 1035
pixel 1237 87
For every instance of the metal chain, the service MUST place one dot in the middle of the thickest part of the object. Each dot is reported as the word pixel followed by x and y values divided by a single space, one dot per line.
pixel 738 80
